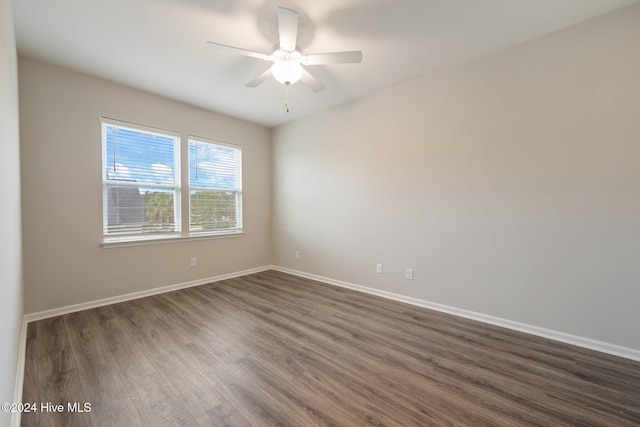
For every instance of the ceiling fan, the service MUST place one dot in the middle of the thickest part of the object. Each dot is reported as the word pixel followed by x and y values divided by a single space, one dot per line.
pixel 288 62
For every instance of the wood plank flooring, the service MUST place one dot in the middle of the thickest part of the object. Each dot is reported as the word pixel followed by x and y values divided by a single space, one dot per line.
pixel 271 349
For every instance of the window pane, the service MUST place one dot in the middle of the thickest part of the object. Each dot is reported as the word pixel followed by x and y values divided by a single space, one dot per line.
pixel 138 156
pixel 213 166
pixel 134 210
pixel 213 210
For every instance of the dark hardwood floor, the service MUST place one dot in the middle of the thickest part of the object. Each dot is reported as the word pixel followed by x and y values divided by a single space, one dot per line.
pixel 274 349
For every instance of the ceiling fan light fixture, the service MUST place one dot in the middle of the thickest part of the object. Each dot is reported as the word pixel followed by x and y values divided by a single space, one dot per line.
pixel 287 72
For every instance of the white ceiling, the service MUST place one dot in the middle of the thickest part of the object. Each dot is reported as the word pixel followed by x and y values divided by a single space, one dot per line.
pixel 159 45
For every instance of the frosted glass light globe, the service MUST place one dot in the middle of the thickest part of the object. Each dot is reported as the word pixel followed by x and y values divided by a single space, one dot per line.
pixel 286 72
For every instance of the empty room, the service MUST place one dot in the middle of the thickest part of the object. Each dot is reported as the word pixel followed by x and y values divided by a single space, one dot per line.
pixel 337 213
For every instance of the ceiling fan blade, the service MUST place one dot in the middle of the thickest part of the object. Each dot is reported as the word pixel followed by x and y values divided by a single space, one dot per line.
pixel 351 57
pixel 287 28
pixel 260 79
pixel 231 49
pixel 310 81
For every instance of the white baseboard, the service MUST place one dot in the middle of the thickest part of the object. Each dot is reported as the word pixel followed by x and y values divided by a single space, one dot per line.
pixel 32 317
pixel 604 347
pixel 19 382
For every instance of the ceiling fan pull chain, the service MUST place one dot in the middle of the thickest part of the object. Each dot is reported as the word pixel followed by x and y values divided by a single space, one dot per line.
pixel 286 97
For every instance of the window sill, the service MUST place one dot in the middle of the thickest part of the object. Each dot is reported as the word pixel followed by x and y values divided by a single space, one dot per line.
pixel 117 242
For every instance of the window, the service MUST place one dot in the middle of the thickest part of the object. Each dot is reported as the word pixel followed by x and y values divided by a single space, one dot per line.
pixel 142 192
pixel 140 181
pixel 215 187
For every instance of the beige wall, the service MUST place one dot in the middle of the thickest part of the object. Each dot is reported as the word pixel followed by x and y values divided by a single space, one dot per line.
pixel 64 263
pixel 510 184
pixel 10 240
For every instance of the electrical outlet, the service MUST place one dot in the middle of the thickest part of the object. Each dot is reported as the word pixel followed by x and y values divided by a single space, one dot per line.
pixel 379 268
pixel 297 254
pixel 409 273
pixel 194 261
